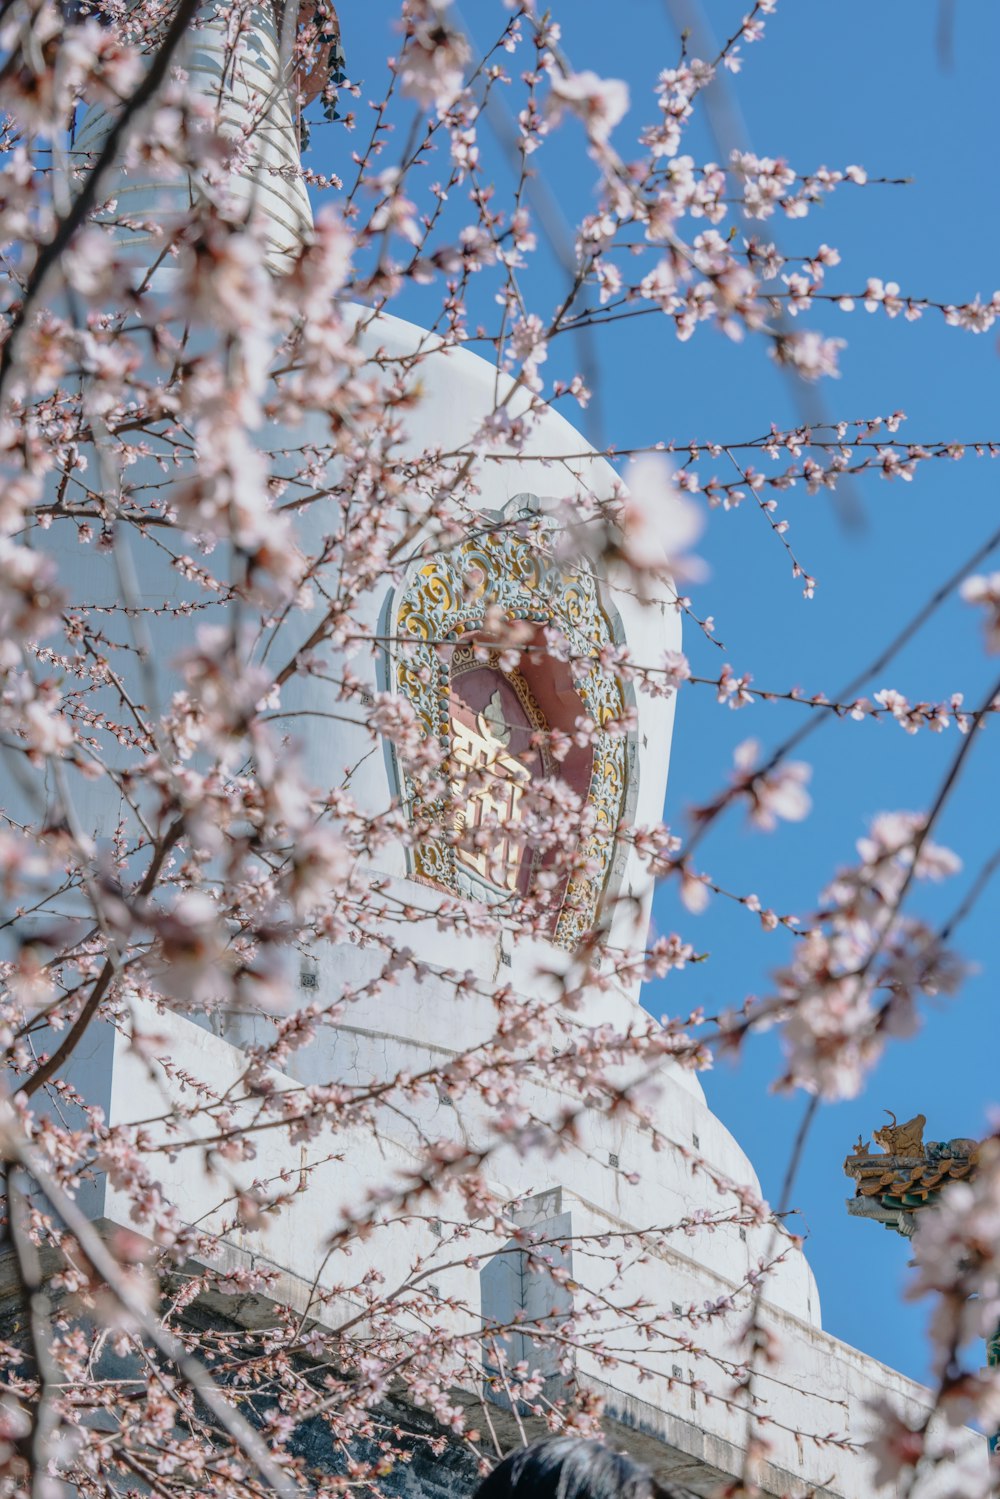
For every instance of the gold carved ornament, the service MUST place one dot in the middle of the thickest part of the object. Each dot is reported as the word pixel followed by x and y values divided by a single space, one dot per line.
pixel 443 602
pixel 487 780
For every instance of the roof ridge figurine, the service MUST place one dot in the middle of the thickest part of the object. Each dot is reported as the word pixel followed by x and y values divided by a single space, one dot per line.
pixel 901 1139
pixel 906 1173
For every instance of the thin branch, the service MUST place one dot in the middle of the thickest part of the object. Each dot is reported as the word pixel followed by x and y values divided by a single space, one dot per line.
pixel 103 981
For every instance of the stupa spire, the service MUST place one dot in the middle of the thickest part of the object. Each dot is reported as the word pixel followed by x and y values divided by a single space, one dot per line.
pixel 233 59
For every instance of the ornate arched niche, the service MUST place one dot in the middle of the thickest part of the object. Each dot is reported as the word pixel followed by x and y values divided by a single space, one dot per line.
pixel 494 720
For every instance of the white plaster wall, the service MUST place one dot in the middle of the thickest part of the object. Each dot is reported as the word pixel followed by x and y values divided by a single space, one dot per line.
pixel 411 1028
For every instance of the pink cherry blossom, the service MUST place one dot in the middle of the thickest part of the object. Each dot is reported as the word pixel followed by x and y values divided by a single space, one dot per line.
pixel 601 103
pixel 435 55
pixel 984 590
pixel 659 526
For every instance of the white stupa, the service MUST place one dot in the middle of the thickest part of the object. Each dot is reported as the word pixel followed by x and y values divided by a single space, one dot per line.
pixel 679 1415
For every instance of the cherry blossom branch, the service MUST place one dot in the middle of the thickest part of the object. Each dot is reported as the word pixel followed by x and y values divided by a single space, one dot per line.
pixel 74 1035
pixel 15 1149
pixel 848 691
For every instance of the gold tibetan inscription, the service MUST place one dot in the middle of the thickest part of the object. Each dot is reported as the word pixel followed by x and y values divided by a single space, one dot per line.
pixel 487 785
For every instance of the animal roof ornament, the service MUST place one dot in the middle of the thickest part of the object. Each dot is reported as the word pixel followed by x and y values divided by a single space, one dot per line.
pixel 906 1174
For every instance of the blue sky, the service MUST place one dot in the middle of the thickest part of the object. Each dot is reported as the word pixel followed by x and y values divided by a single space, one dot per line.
pixel 852 83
